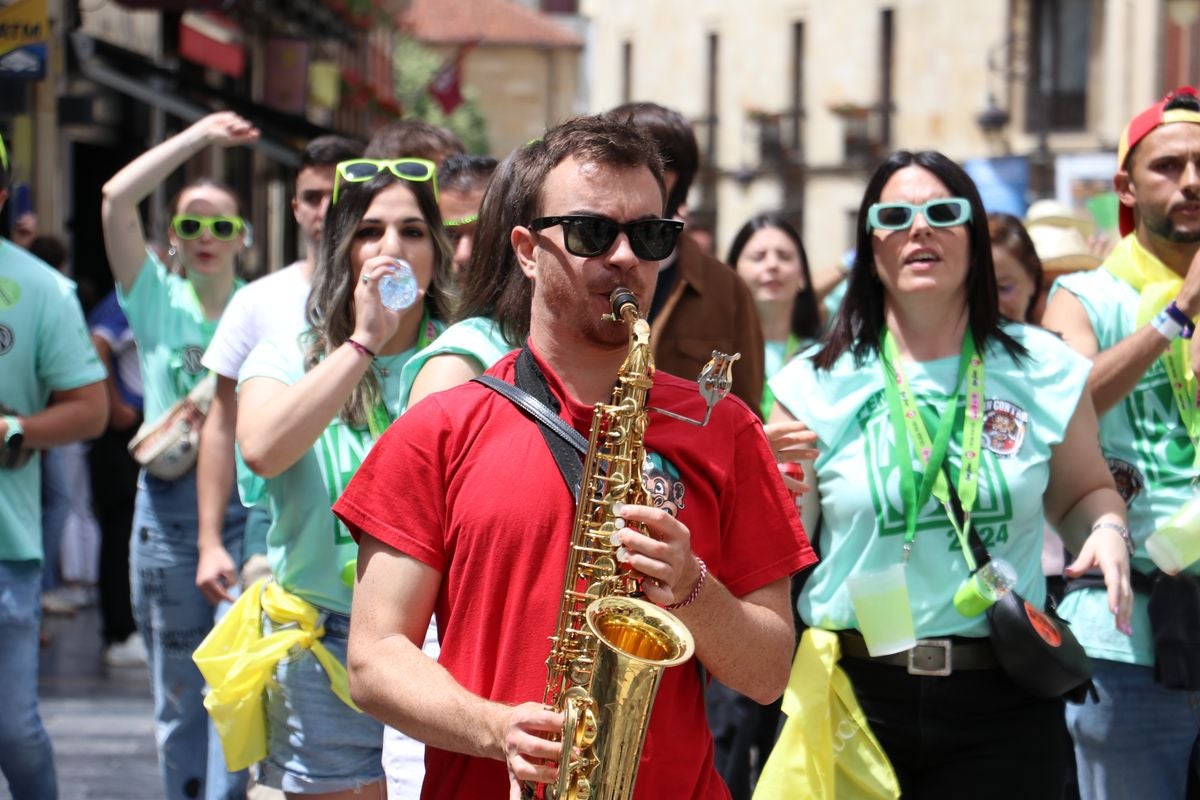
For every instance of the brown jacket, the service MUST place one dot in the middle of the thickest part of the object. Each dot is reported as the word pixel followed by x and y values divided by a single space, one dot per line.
pixel 710 308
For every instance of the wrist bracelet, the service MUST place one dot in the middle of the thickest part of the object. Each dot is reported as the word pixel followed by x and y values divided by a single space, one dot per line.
pixel 1176 313
pixel 695 592
pixel 1121 529
pixel 360 348
pixel 1167 325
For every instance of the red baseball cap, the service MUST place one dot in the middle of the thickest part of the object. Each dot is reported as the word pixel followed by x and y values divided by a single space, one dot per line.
pixel 1140 126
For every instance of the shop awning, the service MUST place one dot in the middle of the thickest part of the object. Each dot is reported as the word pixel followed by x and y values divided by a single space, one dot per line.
pixel 283 135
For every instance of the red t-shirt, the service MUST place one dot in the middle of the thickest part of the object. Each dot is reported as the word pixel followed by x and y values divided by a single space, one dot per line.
pixel 465 483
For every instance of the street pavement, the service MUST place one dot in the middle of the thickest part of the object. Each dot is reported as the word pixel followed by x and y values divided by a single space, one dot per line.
pixel 101 720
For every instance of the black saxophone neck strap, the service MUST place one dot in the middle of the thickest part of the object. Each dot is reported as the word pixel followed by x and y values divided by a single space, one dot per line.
pixel 532 396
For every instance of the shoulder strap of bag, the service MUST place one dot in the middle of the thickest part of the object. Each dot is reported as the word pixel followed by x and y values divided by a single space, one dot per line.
pixel 978 550
pixel 566 444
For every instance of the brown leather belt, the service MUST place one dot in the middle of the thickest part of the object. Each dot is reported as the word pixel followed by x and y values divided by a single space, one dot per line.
pixel 930 657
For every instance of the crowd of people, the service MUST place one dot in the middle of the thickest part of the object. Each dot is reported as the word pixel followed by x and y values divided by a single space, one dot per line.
pixel 302 476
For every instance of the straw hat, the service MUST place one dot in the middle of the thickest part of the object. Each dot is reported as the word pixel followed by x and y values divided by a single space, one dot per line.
pixel 1060 236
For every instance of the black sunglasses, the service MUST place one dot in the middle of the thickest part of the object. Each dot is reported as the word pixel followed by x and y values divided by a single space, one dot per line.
pixel 588 236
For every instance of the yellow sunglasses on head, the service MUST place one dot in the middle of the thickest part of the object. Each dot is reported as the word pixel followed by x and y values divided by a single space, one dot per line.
pixel 359 170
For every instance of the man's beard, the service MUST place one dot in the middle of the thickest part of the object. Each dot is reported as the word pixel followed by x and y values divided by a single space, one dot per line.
pixel 1166 229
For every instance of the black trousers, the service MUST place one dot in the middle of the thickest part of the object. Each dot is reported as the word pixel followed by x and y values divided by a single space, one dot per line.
pixel 743 734
pixel 114 486
pixel 970 734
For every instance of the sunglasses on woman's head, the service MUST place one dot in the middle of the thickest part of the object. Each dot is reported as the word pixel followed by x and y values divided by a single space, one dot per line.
pixel 358 170
pixel 190 226
pixel 941 213
pixel 588 236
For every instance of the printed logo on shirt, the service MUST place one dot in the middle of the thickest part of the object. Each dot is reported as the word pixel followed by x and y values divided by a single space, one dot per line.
pixel 663 484
pixel 10 293
pixel 1004 427
pixel 1159 437
pixel 993 506
pixel 340 451
pixel 6 339
pixel 1129 481
pixel 191 357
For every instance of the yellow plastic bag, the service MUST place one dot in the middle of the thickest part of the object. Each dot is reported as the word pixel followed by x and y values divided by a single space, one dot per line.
pixel 237 662
pixel 826 749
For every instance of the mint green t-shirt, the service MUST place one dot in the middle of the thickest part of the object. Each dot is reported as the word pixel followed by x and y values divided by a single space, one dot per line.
pixel 307 546
pixel 477 337
pixel 1150 456
pixel 44 348
pixel 1027 407
pixel 171 331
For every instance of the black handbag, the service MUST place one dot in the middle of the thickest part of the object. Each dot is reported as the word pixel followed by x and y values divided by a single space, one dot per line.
pixel 1038 651
pixel 1035 647
pixel 1175 623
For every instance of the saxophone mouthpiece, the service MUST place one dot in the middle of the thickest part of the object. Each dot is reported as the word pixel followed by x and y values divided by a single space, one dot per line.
pixel 620 298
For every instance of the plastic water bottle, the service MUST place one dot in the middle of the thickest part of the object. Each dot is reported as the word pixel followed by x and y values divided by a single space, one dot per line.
pixel 989 583
pixel 398 289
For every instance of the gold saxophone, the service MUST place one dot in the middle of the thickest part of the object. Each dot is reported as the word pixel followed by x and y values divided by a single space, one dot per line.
pixel 609 648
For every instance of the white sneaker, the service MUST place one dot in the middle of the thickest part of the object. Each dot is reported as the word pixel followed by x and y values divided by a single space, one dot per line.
pixel 129 653
pixel 59 601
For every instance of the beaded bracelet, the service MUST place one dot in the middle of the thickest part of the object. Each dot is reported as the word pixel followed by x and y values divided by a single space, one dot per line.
pixel 1122 530
pixel 695 592
pixel 360 348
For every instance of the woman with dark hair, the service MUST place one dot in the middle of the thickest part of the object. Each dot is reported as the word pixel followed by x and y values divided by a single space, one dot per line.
pixel 769 256
pixel 310 409
pixel 1018 268
pixel 919 376
pixel 492 312
pixel 173 319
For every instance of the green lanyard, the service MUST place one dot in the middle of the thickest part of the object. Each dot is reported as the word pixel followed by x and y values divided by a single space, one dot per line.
pixel 1184 391
pixel 379 418
pixel 768 397
pixel 908 426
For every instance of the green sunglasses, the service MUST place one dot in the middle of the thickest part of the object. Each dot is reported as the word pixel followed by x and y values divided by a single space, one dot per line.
pixel 358 170
pixel 454 223
pixel 943 212
pixel 223 229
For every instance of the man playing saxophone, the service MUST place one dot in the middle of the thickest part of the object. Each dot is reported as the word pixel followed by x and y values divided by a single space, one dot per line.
pixel 461 510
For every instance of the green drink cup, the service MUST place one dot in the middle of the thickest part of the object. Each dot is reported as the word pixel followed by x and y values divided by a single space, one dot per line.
pixel 880 600
pixel 1176 545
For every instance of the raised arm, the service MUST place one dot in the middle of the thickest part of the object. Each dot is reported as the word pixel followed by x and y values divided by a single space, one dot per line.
pixel 124 235
pixel 278 423
pixel 393 681
pixel 1115 371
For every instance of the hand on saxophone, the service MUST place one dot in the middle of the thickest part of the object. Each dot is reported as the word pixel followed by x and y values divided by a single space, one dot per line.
pixel 526 748
pixel 663 555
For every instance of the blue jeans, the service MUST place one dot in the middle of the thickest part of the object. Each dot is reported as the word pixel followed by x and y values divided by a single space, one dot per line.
pixel 26 758
pixel 315 742
pixel 1137 740
pixel 173 618
pixel 56 508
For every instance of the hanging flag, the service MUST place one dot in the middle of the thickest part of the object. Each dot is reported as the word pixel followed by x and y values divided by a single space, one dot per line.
pixel 446 85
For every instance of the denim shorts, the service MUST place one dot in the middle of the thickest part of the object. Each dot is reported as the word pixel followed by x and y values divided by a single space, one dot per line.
pixel 315 742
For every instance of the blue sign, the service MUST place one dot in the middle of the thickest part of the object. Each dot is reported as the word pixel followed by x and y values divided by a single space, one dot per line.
pixel 24 64
pixel 1003 183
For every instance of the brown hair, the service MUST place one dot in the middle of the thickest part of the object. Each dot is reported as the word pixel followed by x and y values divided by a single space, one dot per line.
pixel 1008 233
pixel 495 286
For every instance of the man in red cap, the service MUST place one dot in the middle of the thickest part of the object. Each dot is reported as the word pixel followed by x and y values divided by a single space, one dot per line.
pixel 1133 316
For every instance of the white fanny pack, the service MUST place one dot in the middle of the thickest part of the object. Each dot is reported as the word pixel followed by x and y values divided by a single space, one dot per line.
pixel 167 447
